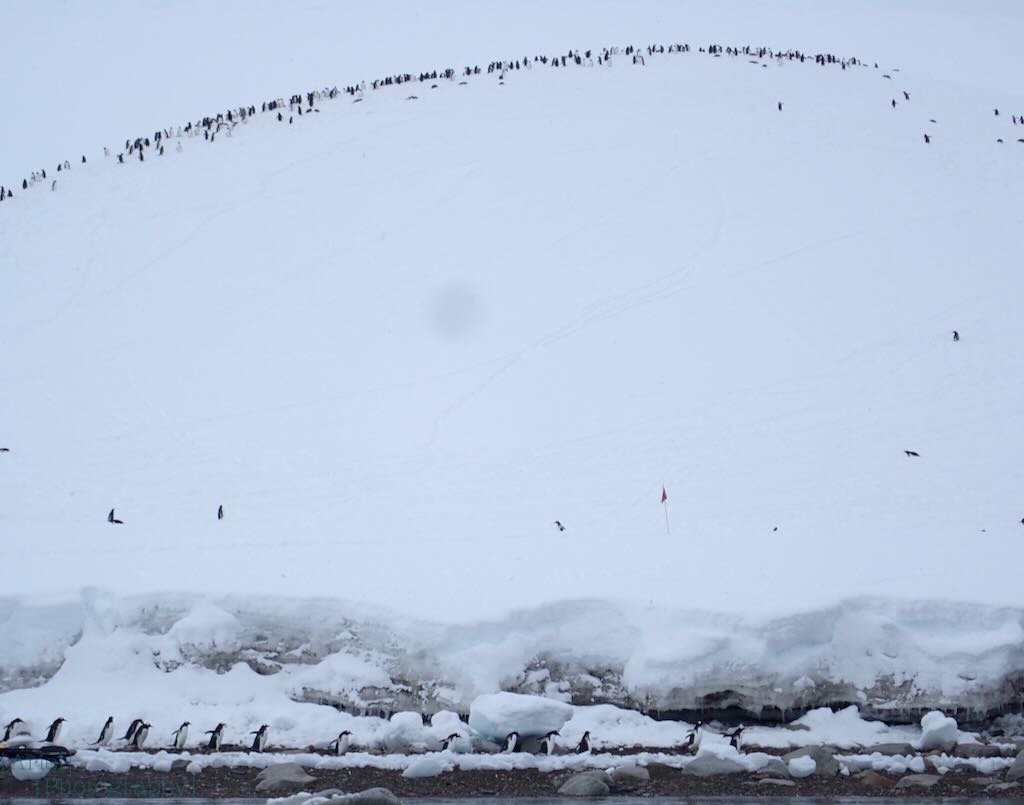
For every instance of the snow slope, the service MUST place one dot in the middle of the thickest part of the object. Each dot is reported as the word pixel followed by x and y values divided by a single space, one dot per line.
pixel 398 339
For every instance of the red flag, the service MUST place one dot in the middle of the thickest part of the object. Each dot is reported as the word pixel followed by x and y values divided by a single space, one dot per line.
pixel 664 495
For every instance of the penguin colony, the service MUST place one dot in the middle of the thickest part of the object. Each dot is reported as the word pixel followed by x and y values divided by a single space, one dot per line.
pixel 305 103
pixel 17 738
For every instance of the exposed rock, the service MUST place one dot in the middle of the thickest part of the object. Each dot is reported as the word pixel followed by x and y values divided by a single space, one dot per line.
pixel 872 779
pixel 1016 771
pixel 710 766
pixel 587 784
pixel 890 749
pixel 824 759
pixel 918 781
pixel 630 777
pixel 1003 786
pixel 980 781
pixel 282 775
pixel 774 767
pixel 771 781
pixel 180 765
pixel 977 750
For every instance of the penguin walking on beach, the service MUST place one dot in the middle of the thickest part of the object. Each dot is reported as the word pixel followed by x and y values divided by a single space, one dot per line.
pixel 106 733
pixel 547 743
pixel 511 742
pixel 736 738
pixel 130 734
pixel 10 727
pixel 584 745
pixel 260 741
pixel 216 734
pixel 694 738
pixel 220 512
pixel 181 735
pixel 112 519
pixel 139 738
pixel 53 733
pixel 340 744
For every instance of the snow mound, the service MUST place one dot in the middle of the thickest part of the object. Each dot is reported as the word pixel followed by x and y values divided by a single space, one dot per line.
pixel 938 731
pixel 207 627
pixel 495 715
pixel 802 766
pixel 428 766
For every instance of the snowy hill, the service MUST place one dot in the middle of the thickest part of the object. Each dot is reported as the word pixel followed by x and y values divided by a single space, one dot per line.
pixel 397 339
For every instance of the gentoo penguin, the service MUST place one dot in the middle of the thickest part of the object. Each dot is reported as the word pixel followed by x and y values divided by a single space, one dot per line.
pixel 131 730
pixel 53 734
pixel 83 159
pixel 220 512
pixel 10 728
pixel 694 738
pixel 780 106
pixel 906 95
pixel 54 185
pixel 260 741
pixel 446 744
pixel 584 745
pixel 112 519
pixel 106 733
pixel 736 738
pixel 511 742
pixel 547 743
pixel 139 738
pixel 956 336
pixel 215 737
pixel 5 450
pixel 912 453
pixel 927 139
pixel 560 526
pixel 340 744
pixel 181 735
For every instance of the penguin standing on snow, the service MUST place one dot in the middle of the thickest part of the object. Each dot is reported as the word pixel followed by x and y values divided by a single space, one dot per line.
pixel 53 734
pixel 216 734
pixel 956 336
pixel 106 733
pixel 547 743
pixel 736 738
pixel 112 519
pixel 341 743
pixel 10 728
pixel 181 735
pixel 584 745
pixel 511 742
pixel 130 734
pixel 560 526
pixel 220 512
pixel 260 741
pixel 694 738
pixel 140 736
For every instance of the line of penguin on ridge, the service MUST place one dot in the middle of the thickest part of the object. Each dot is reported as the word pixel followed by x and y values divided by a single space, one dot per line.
pixel 16 737
pixel 227 121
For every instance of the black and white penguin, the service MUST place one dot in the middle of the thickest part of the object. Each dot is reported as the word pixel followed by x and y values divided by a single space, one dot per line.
pixel 220 512
pixel 584 745
pixel 112 519
pixel 54 185
pixel 694 738
pixel 912 453
pixel 956 336
pixel 10 727
pixel 139 738
pixel 340 744
pixel 446 744
pixel 780 106
pixel 181 735
pixel 547 743
pixel 106 733
pixel 130 734
pixel 736 738
pixel 927 139
pixel 53 733
pixel 216 734
pixel 906 95
pixel 511 742
pixel 260 741
pixel 560 526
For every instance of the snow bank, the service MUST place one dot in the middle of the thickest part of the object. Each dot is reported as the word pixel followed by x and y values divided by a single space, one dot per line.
pixel 495 715
pixel 802 766
pixel 207 627
pixel 938 731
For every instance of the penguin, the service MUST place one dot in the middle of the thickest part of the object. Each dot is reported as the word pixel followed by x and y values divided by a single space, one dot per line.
pixel 511 742
pixel 912 453
pixel 780 106
pixel 584 745
pixel 130 734
pixel 927 139
pixel 24 184
pixel 996 111
pixel 260 741
pixel 547 743
pixel 341 743
pixel 893 103
pixel 446 744
pixel 560 526
pixel 83 159
pixel 53 733
pixel 106 733
pixel 906 95
pixel 220 512
pixel 54 185
pixel 215 738
pixel 736 738
pixel 181 735
pixel 10 727
pixel 956 336
pixel 5 450
pixel 112 519
pixel 120 158
pixel 139 738
pixel 694 738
